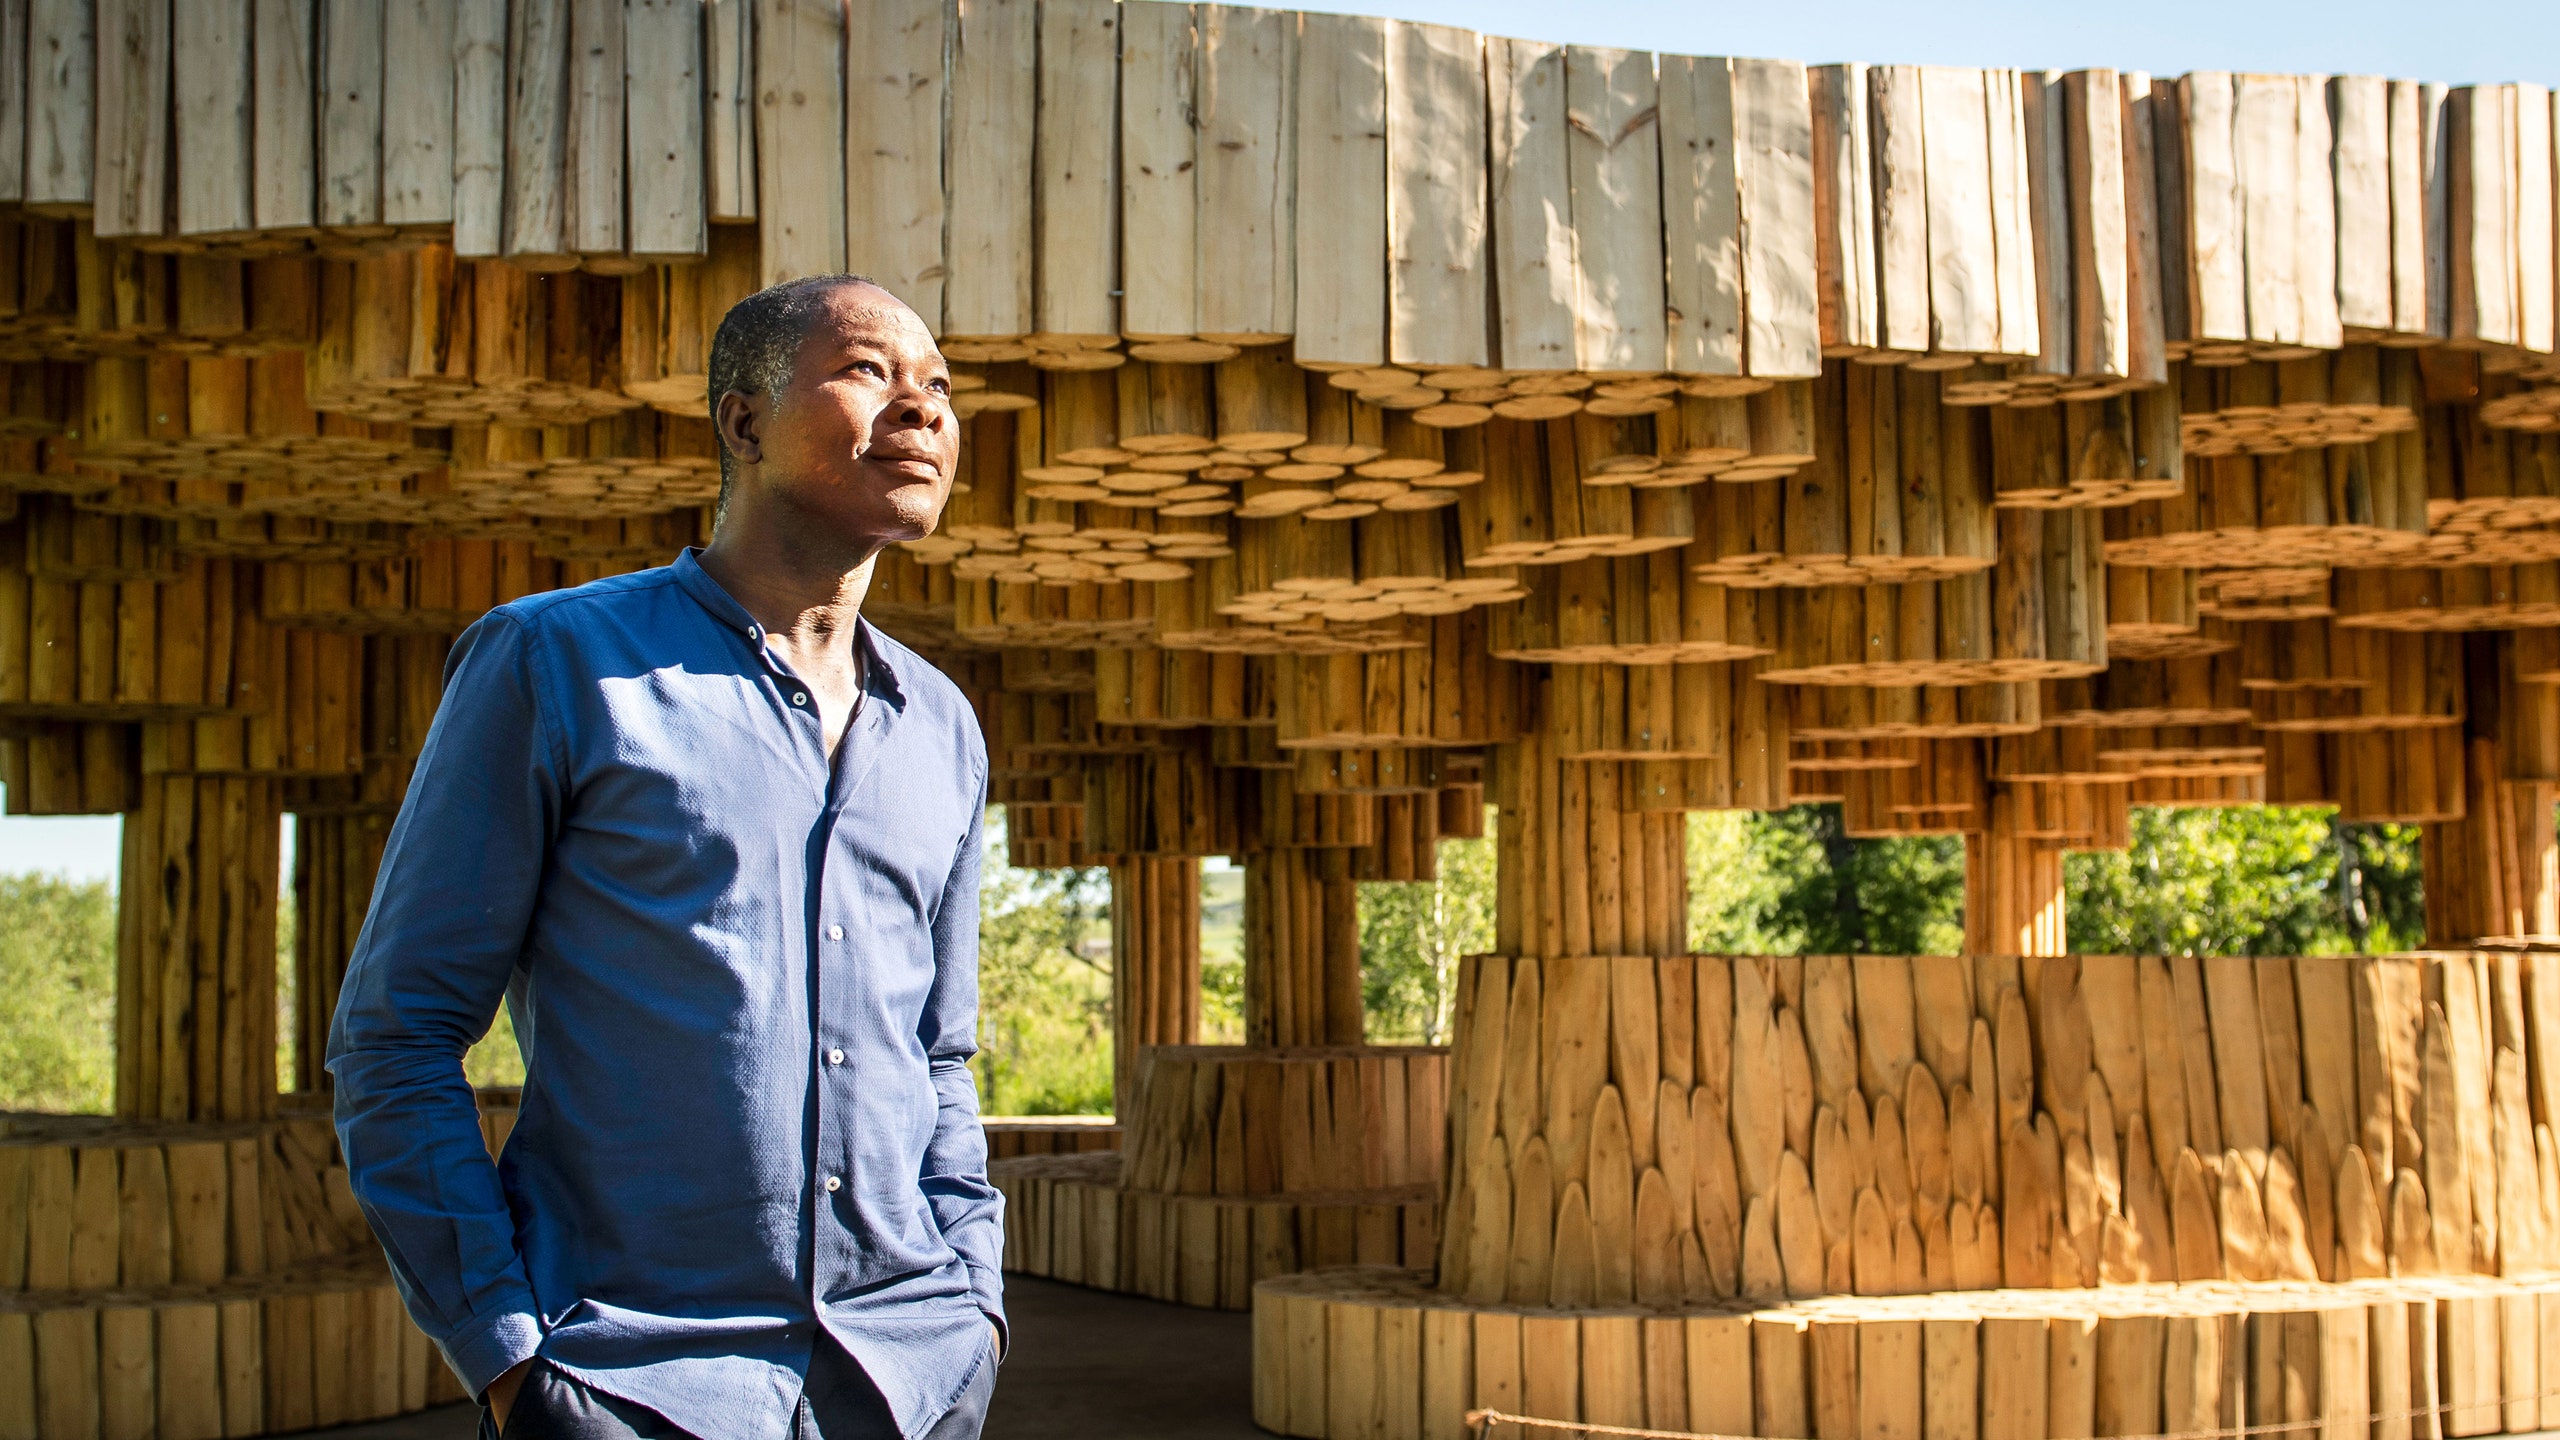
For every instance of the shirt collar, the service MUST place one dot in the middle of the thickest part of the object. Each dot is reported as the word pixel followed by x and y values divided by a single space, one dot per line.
pixel 880 672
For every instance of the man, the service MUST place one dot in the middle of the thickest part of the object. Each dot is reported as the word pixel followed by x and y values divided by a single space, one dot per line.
pixel 715 842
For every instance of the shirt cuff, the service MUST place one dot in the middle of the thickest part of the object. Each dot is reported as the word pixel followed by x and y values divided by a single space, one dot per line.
pixel 987 1286
pixel 488 1348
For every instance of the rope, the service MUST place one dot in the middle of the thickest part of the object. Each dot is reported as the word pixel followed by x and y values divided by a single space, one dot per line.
pixel 1483 1421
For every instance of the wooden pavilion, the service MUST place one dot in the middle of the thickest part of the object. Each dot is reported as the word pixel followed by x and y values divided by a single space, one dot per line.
pixel 1367 422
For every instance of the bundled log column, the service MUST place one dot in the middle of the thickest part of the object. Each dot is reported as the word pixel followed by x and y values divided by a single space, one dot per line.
pixel 1155 961
pixel 196 992
pixel 1301 948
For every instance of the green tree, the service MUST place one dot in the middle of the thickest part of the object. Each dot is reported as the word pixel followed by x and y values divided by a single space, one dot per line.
pixel 1795 881
pixel 1044 987
pixel 2247 880
pixel 57 994
pixel 1412 935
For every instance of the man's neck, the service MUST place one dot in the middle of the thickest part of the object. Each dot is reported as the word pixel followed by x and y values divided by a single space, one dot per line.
pixel 805 591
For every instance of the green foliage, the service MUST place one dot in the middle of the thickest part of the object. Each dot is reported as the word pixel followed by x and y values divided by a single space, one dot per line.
pixel 1044 987
pixel 57 994
pixel 1221 954
pixel 1792 882
pixel 1412 934
pixel 2247 880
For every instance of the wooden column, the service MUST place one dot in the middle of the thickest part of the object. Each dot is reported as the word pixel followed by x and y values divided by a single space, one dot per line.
pixel 1301 948
pixel 196 950
pixel 1155 960
pixel 1583 869
pixel 2013 898
pixel 336 855
pixel 2496 870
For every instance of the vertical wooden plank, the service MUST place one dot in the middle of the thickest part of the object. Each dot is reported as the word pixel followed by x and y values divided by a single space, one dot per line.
pixel 1436 219
pixel 2051 206
pixel 2411 213
pixel 729 119
pixel 1901 208
pixel 132 117
pixel 418 111
pixel 2217 298
pixel 212 52
pixel 1078 190
pixel 2315 208
pixel 13 103
pixel 479 126
pixel 537 181
pixel 1613 152
pixel 351 67
pixel 2005 115
pixel 1247 99
pixel 1844 208
pixel 988 174
pixel 596 144
pixel 1964 304
pixel 1773 156
pixel 801 145
pixel 1531 205
pixel 2482 227
pixel 2533 217
pixel 2360 170
pixel 2101 330
pixel 1159 172
pixel 662 57
pixel 1341 245
pixel 2146 271
pixel 62 60
pixel 1702 218
pixel 893 214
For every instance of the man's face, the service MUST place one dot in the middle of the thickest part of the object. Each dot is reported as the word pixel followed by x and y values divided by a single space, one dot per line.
pixel 862 437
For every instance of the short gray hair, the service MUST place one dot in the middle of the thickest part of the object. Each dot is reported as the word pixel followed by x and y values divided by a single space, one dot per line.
pixel 756 342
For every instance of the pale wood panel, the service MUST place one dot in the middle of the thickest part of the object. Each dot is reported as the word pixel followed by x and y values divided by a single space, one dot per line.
pixel 1342 190
pixel 1532 204
pixel 351 112
pixel 1964 303
pixel 2101 219
pixel 2416 287
pixel 1436 196
pixel 988 177
pixel 801 149
pixel 893 212
pixel 212 56
pixel 2315 209
pixel 13 101
pixel 2217 295
pixel 479 127
pixel 132 117
pixel 538 199
pixel 596 148
pixel 2146 344
pixel 1614 151
pixel 662 48
pixel 1079 209
pixel 1901 208
pixel 2265 151
pixel 62 58
pixel 2011 223
pixel 417 111
pixel 1248 131
pixel 1702 216
pixel 1159 172
pixel 2051 205
pixel 729 56
pixel 1773 149
pixel 2361 134
pixel 2532 216
pixel 1844 206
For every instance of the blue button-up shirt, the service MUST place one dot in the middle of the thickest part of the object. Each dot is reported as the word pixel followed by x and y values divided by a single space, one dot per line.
pixel 745 983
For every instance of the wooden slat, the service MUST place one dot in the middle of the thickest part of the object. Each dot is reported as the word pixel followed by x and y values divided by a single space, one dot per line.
pixel 537 185
pixel 2217 298
pixel 1844 207
pixel 2102 321
pixel 2315 203
pixel 596 146
pixel 801 143
pixel 417 111
pixel 1341 246
pixel 988 169
pixel 1532 206
pixel 892 215
pixel 350 74
pixel 133 117
pixel 662 45
pixel 1159 172
pixel 729 117
pixel 13 103
pixel 1247 100
pixel 1614 166
pixel 1436 196
pixel 2361 136
pixel 2483 278
pixel 1702 220
pixel 1964 303
pixel 2533 161
pixel 2005 116
pixel 1773 152
pixel 212 54
pixel 1901 207
pixel 62 58
pixel 479 126
pixel 1079 202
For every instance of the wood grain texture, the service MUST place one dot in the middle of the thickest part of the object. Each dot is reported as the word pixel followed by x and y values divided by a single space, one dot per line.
pixel 988 169
pixel 1436 196
pixel 418 93
pixel 894 211
pixel 479 126
pixel 1702 219
pixel 132 175
pixel 802 147
pixel 663 129
pixel 1247 102
pixel 1078 207
pixel 1773 147
pixel 212 51
pixel 1613 169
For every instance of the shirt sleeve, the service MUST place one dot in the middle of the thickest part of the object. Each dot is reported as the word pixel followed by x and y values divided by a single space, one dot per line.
pixel 451 908
pixel 965 1204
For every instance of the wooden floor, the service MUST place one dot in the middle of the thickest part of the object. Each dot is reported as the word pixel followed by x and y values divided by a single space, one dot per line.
pixel 1084 1364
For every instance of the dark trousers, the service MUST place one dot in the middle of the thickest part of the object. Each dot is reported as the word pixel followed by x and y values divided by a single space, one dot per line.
pixel 840 1403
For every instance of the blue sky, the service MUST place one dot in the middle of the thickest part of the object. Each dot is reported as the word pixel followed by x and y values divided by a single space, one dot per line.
pixel 2454 43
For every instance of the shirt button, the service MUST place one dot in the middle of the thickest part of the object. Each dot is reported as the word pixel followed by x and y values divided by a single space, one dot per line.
pixel 799 697
pixel 835 932
pixel 834 1184
pixel 835 1057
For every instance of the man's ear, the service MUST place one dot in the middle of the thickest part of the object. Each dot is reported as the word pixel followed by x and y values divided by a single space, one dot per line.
pixel 740 421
